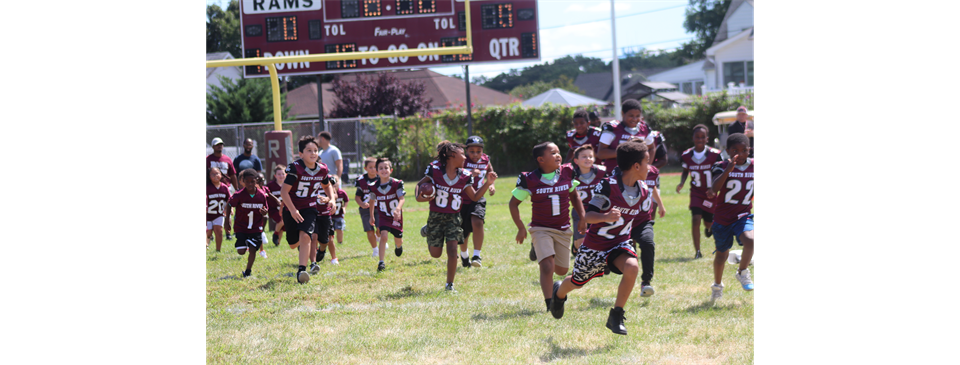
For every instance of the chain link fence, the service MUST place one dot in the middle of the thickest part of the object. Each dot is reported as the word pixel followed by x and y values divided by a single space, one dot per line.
pixel 348 134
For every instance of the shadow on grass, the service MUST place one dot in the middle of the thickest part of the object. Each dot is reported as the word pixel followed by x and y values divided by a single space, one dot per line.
pixel 599 303
pixel 269 285
pixel 405 292
pixel 557 352
pixel 424 262
pixel 677 259
pixel 500 317
pixel 706 306
pixel 228 277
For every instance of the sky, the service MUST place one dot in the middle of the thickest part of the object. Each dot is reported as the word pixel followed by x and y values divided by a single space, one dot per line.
pixel 583 27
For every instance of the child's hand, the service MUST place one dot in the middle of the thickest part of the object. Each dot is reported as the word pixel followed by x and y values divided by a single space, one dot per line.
pixel 492 190
pixel 264 210
pixel 296 216
pixel 710 194
pixel 491 177
pixel 322 199
pixel 679 187
pixel 582 226
pixel 364 205
pixel 733 160
pixel 613 215
pixel 521 235
pixel 662 211
pixel 373 222
pixel 396 213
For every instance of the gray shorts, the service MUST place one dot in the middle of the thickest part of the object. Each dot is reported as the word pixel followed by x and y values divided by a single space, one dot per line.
pixel 339 223
pixel 365 218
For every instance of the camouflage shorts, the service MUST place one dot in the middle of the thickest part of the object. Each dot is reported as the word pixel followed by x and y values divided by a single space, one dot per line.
pixel 443 227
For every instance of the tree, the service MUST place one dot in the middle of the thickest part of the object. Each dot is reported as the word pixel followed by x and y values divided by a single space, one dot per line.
pixel 243 101
pixel 538 87
pixel 379 95
pixel 703 20
pixel 646 60
pixel 223 29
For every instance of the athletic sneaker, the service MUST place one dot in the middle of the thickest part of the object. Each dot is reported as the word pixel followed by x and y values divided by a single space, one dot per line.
pixel 465 261
pixel 423 231
pixel 533 253
pixel 263 254
pixel 398 251
pixel 744 277
pixel 450 288
pixel 556 305
pixel 303 277
pixel 615 321
pixel 314 268
pixel 646 290
pixel 573 251
pixel 717 291
pixel 376 252
pixel 698 255
pixel 475 261
pixel 381 266
pixel 229 236
pixel 276 239
pixel 320 255
pixel 245 273
pixel 334 262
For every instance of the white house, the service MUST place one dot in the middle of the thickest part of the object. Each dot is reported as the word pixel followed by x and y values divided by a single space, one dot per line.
pixel 729 60
pixel 232 72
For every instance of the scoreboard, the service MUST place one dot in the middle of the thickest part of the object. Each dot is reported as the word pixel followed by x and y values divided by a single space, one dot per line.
pixel 503 31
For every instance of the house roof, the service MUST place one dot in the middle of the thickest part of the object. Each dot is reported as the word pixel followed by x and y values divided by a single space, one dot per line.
pixel 444 90
pixel 716 46
pixel 708 64
pixel 674 96
pixel 655 85
pixel 562 97
pixel 681 73
pixel 722 31
pixel 217 56
pixel 599 85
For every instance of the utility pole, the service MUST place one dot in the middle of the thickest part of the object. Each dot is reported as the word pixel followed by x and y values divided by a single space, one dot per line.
pixel 466 77
pixel 616 64
pixel 320 102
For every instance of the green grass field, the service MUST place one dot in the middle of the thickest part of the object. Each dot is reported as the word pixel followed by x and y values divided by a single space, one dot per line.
pixel 350 314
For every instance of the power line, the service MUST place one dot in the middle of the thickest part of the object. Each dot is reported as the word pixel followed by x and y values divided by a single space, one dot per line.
pixel 622 16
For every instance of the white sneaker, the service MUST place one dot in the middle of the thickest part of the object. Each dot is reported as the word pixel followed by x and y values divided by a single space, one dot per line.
pixel 314 269
pixel 646 291
pixel 263 254
pixel 744 277
pixel 376 253
pixel 334 262
pixel 717 291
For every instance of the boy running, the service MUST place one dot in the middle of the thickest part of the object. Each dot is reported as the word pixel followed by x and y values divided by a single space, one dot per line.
pixel 589 176
pixel 305 177
pixel 252 205
pixel 733 185
pixel 474 212
pixel 642 232
pixel 616 203
pixel 339 224
pixel 697 162
pixel 321 236
pixel 386 202
pixel 616 133
pixel 217 195
pixel 582 133
pixel 363 184
pixel 276 220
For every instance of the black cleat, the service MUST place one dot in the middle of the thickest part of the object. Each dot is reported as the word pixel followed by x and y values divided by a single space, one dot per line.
pixel 533 253
pixel 573 251
pixel 698 255
pixel 320 255
pixel 230 236
pixel 466 262
pixel 449 288
pixel 246 273
pixel 475 261
pixel 381 266
pixel 398 251
pixel 556 304
pixel 303 277
pixel 276 239
pixel 615 321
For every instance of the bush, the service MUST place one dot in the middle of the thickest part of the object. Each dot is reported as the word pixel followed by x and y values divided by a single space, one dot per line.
pixel 676 124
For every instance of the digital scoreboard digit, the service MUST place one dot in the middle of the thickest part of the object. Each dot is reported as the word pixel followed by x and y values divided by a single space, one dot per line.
pixel 503 31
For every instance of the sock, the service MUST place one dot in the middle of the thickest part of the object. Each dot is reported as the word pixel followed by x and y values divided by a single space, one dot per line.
pixel 381 262
pixel 464 255
pixel 476 252
pixel 302 268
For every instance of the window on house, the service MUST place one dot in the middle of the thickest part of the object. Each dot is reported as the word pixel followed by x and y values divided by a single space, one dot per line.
pixel 698 87
pixel 686 87
pixel 733 72
pixel 749 73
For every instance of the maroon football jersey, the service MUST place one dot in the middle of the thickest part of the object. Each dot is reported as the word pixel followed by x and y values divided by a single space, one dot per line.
pixel 274 188
pixel 225 164
pixel 585 189
pixel 449 193
pixel 550 199
pixel 701 178
pixel 305 183
pixel 575 140
pixel 609 194
pixel 248 218
pixel 387 198
pixel 735 198
pixel 342 199
pixel 216 201
pixel 363 184
pixel 483 165
pixel 621 135
pixel 646 207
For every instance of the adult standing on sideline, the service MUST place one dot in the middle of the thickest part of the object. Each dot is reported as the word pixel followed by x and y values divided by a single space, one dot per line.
pixel 742 125
pixel 330 154
pixel 218 160
pixel 247 160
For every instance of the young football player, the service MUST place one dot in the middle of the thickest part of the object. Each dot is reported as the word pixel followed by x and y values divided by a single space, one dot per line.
pixel 551 189
pixel 474 212
pixel 217 195
pixel 581 134
pixel 386 201
pixel 589 176
pixel 697 162
pixel 276 220
pixel 363 184
pixel 616 202
pixel 321 236
pixel 642 232
pixel 616 133
pixel 733 186
pixel 305 177
pixel 275 204
pixel 449 182
pixel 252 205
pixel 339 224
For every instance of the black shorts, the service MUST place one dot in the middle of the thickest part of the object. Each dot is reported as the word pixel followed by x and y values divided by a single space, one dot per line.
pixel 250 241
pixel 324 227
pixel 477 209
pixel 293 228
pixel 395 232
pixel 707 216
